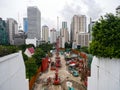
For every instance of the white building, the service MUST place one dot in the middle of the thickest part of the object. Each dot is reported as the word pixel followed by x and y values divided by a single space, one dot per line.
pixel 34 41
pixel 45 33
pixel 53 36
pixel 105 74
pixel 34 23
pixel 12 28
pixel 118 11
pixel 13 74
pixel 78 25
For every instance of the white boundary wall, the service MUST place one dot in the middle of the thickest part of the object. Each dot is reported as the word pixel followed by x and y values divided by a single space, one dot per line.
pixel 12 72
pixel 105 74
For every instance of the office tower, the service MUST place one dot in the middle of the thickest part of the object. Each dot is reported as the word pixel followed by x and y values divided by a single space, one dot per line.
pixel 53 36
pixel 118 11
pixel 34 23
pixel 45 33
pixel 64 24
pixel 90 26
pixel 12 28
pixel 78 25
pixel 25 25
pixel 64 34
pixel 19 39
pixel 3 33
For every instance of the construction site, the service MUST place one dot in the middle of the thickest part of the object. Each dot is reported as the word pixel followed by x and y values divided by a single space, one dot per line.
pixel 62 71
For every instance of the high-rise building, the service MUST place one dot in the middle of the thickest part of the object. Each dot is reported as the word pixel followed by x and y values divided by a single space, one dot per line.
pixel 90 26
pixel 19 39
pixel 78 25
pixel 64 31
pixel 34 23
pixel 64 34
pixel 25 24
pixel 118 11
pixel 53 36
pixel 64 24
pixel 45 33
pixel 12 28
pixel 83 39
pixel 3 33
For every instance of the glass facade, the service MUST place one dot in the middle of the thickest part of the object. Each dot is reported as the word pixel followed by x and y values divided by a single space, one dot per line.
pixel 3 33
pixel 25 24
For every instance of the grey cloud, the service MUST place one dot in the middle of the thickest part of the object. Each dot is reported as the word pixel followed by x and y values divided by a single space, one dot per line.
pixel 48 21
pixel 69 10
pixel 94 9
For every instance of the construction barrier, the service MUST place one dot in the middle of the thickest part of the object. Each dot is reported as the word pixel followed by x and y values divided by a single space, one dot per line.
pixel 33 79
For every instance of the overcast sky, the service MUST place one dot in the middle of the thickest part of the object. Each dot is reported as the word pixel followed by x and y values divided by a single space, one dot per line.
pixel 50 9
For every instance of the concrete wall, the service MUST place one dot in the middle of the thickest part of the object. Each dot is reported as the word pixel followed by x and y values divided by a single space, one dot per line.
pixel 12 73
pixel 105 74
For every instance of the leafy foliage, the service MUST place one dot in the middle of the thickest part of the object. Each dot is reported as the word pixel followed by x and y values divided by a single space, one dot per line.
pixel 89 61
pixel 84 49
pixel 39 54
pixel 31 67
pixel 5 50
pixel 23 47
pixel 46 47
pixel 68 45
pixel 106 37
pixel 25 57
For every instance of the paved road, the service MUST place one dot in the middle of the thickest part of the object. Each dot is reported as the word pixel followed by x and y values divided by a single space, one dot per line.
pixel 63 74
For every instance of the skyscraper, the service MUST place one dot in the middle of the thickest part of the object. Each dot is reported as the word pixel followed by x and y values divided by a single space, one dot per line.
pixel 45 33
pixel 25 24
pixel 78 25
pixel 53 36
pixel 12 28
pixel 34 23
pixel 64 24
pixel 118 11
pixel 64 34
pixel 3 33
pixel 90 26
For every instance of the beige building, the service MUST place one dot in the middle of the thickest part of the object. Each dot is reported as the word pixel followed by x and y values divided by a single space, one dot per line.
pixel 83 39
pixel 53 36
pixel 45 33
pixel 78 25
pixel 12 28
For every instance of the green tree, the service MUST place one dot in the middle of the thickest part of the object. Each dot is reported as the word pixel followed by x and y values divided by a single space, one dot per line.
pixel 5 50
pixel 68 45
pixel 39 54
pixel 31 67
pixel 25 57
pixel 106 37
pixel 46 47
pixel 84 49
pixel 23 47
